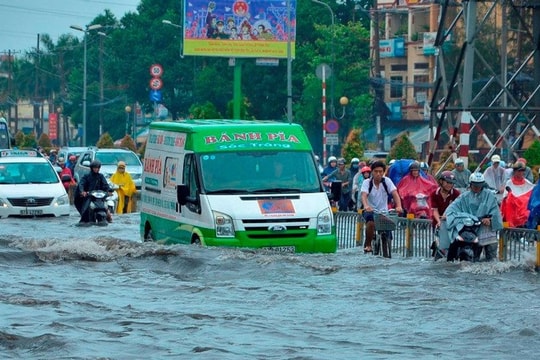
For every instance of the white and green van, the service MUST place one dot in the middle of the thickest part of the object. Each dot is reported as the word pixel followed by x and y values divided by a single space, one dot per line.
pixel 234 183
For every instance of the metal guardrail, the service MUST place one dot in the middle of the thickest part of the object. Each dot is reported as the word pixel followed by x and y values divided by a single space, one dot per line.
pixel 413 238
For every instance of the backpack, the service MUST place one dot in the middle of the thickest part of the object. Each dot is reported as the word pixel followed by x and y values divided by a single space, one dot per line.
pixel 383 181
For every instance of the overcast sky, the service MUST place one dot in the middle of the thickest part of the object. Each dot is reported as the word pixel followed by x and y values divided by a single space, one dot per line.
pixel 22 20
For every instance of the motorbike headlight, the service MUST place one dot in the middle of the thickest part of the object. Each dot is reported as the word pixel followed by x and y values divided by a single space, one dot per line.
pixel 324 222
pixel 224 225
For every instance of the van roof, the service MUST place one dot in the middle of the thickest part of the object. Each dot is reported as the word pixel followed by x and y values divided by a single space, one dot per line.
pixel 232 135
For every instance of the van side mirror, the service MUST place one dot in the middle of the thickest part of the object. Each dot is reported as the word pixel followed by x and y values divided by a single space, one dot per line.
pixel 182 193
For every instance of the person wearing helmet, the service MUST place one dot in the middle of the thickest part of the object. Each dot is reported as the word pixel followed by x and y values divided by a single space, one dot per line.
pixel 363 174
pixel 461 174
pixel 70 163
pixel 441 198
pixel 494 175
pixel 478 204
pixel 329 169
pixel 415 191
pixel 320 168
pixel 518 190
pixel 93 180
pixel 343 175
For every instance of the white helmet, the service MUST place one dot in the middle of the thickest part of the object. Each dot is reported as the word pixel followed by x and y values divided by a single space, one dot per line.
pixel 332 158
pixel 355 160
pixel 477 178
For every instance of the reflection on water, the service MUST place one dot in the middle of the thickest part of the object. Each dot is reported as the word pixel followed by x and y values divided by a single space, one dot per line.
pixel 93 293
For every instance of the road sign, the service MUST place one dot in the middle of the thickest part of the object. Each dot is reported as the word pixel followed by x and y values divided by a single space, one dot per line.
pixel 332 126
pixel 156 70
pixel 332 139
pixel 155 95
pixel 156 83
pixel 323 71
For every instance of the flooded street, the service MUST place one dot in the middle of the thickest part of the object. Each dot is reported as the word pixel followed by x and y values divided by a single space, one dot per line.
pixel 99 293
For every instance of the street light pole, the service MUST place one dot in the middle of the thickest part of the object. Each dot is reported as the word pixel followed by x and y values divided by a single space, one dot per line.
pixel 85 31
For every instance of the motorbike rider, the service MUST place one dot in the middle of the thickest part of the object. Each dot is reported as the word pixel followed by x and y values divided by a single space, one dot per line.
pixel 478 203
pixel 93 180
pixel 126 188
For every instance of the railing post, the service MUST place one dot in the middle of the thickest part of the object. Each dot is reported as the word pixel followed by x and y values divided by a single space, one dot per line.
pixel 408 235
pixel 502 247
pixel 359 228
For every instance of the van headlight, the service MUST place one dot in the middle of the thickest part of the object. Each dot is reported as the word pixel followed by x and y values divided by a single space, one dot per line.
pixel 224 225
pixel 324 222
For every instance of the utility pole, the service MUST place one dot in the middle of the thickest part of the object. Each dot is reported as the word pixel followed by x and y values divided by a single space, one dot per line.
pixel 37 117
pixel 378 85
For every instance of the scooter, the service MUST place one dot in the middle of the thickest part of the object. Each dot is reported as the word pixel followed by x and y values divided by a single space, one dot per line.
pixel 467 246
pixel 98 207
pixel 112 200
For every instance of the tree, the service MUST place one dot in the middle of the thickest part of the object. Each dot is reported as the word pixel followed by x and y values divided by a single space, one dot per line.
pixel 353 146
pixel 532 154
pixel 403 148
pixel 128 143
pixel 105 141
pixel 44 141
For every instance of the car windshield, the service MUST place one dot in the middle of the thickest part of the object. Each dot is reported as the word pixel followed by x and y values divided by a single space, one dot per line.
pixel 112 158
pixel 259 172
pixel 27 173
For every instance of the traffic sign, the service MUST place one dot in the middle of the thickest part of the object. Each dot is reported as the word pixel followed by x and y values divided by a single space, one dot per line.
pixel 156 83
pixel 156 70
pixel 332 126
pixel 332 139
pixel 155 95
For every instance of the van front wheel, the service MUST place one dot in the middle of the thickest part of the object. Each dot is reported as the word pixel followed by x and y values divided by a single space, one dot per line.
pixel 195 240
pixel 148 234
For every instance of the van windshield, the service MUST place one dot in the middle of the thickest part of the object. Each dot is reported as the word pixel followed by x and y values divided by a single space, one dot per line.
pixel 259 172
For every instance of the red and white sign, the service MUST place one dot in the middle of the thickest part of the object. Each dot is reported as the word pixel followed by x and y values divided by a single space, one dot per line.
pixel 53 126
pixel 156 70
pixel 156 83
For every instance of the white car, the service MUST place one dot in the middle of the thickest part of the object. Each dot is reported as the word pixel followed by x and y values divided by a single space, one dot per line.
pixel 30 186
pixel 109 159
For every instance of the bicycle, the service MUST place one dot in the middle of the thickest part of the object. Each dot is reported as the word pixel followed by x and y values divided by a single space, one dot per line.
pixel 385 223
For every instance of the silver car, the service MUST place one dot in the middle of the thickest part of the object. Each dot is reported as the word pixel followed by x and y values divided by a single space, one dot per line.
pixel 109 159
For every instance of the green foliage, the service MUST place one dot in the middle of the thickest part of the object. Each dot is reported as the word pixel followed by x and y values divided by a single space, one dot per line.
pixel 29 141
pixel 204 111
pixel 532 154
pixel 44 141
pixel 128 143
pixel 105 141
pixel 19 139
pixel 403 148
pixel 353 146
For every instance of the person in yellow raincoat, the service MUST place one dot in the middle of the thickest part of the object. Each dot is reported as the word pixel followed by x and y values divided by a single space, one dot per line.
pixel 126 188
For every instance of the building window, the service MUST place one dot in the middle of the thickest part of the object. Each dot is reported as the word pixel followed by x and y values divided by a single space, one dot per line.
pixel 398 67
pixel 421 84
pixel 421 66
pixel 396 87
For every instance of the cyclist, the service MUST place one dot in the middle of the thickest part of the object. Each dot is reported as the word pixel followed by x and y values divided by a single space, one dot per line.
pixel 376 193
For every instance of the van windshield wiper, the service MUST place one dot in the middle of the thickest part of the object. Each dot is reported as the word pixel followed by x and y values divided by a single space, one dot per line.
pixel 227 191
pixel 277 190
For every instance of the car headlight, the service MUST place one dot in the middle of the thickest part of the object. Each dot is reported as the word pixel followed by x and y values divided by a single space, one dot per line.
pixel 3 203
pixel 63 200
pixel 324 222
pixel 224 225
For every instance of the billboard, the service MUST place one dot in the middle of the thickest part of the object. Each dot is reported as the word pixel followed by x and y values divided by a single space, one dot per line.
pixel 239 28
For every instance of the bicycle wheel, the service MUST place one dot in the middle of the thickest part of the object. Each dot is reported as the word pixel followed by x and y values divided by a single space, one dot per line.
pixel 386 244
pixel 376 244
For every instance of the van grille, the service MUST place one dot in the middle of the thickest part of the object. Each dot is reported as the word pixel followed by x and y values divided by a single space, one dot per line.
pixel 260 229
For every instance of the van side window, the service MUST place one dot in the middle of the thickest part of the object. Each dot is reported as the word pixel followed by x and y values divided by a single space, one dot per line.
pixel 191 180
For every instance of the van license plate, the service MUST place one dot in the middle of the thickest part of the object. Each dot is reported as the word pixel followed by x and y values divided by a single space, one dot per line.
pixel 281 249
pixel 31 212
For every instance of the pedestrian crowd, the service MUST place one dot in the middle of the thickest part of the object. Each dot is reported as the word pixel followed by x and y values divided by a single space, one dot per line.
pixel 498 194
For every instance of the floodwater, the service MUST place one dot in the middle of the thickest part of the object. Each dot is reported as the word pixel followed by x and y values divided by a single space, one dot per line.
pixel 99 293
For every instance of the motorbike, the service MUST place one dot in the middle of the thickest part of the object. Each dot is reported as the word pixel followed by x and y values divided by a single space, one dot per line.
pixel 469 243
pixel 98 207
pixel 112 200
